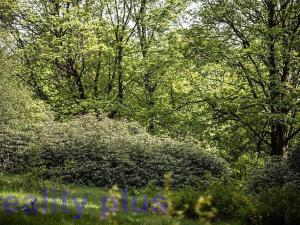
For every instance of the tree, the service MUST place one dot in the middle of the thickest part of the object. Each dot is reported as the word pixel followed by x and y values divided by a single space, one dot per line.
pixel 254 48
pixel 120 16
pixel 19 111
pixel 153 20
pixel 59 43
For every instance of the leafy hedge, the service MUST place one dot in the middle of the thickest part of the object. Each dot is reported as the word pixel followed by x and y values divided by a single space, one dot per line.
pixel 114 152
pixel 14 153
pixel 269 206
pixel 106 152
pixel 21 117
pixel 278 172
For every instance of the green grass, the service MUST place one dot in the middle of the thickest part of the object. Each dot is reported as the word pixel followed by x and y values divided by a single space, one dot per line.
pixel 21 186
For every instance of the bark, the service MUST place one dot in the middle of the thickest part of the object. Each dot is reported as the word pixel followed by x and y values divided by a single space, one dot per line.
pixel 120 75
pixel 119 71
pixel 80 87
pixel 279 139
pixel 149 87
pixel 97 76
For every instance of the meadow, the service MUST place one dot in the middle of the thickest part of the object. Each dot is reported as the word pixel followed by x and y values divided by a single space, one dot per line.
pixel 21 187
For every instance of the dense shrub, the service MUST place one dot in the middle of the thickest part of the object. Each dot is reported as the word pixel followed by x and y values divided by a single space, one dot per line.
pixel 185 201
pixel 294 166
pixel 20 119
pixel 276 190
pixel 278 206
pixel 89 151
pixel 294 160
pixel 271 206
pixel 276 173
pixel 230 199
pixel 107 152
pixel 15 156
pixel 234 202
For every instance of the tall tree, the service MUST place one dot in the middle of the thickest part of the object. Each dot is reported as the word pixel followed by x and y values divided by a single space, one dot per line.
pixel 256 45
pixel 120 16
pixel 153 19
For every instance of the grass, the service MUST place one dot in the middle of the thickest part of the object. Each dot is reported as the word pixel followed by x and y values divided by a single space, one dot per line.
pixel 22 186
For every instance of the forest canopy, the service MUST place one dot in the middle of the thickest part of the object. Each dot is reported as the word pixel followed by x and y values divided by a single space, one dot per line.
pixel 214 70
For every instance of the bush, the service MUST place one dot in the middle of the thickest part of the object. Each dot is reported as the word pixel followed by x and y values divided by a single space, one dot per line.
pixel 276 173
pixel 20 120
pixel 271 206
pixel 15 153
pixel 294 166
pixel 185 201
pixel 88 151
pixel 278 206
pixel 276 190
pixel 231 200
pixel 104 153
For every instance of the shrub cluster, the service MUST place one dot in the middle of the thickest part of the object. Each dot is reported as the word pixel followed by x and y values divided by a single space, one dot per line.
pixel 16 154
pixel 277 173
pixel 107 152
pixel 271 206
pixel 21 117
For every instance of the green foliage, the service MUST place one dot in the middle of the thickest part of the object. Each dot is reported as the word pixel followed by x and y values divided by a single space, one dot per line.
pixel 205 210
pixel 276 173
pixel 294 160
pixel 21 117
pixel 245 57
pixel 228 199
pixel 18 108
pixel 185 201
pixel 231 201
pixel 14 185
pixel 106 152
pixel 271 206
pixel 227 83
pixel 278 206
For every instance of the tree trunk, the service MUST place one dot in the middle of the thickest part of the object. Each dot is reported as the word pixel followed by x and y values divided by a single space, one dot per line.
pixel 120 75
pixel 80 88
pixel 97 77
pixel 149 87
pixel 112 77
pixel 119 71
pixel 279 140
